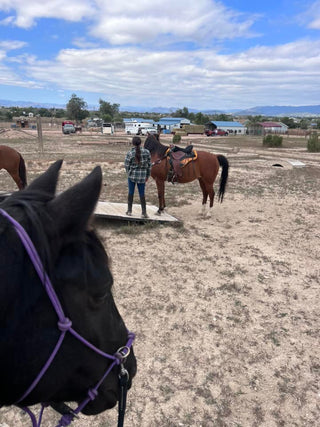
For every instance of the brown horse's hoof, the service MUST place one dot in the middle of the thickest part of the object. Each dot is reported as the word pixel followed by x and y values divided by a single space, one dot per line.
pixel 158 212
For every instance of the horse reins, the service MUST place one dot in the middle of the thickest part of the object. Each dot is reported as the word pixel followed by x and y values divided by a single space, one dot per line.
pixel 65 325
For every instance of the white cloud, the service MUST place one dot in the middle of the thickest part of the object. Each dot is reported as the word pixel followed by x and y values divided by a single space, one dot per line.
pixel 8 77
pixel 83 43
pixel 128 22
pixel 196 79
pixel 27 12
pixel 311 17
pixel 12 44
pixel 7 21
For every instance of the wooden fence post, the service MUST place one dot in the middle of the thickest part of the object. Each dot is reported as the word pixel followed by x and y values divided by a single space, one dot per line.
pixel 39 128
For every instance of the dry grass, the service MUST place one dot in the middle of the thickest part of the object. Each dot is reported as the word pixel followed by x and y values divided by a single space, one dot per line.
pixel 225 309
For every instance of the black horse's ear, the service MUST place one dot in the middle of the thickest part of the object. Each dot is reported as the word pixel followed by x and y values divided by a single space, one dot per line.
pixel 72 209
pixel 47 182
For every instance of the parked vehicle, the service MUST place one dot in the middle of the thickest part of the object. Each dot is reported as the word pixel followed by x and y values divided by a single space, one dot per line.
pixel 146 131
pixel 222 132
pixel 216 132
pixel 133 130
pixel 68 128
pixel 107 128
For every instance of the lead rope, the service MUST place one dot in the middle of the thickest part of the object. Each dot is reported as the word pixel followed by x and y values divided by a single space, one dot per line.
pixel 123 388
pixel 65 325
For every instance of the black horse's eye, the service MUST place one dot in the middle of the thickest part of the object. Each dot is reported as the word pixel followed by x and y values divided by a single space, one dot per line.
pixel 99 299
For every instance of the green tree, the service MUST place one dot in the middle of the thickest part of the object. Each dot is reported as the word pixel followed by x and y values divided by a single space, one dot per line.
pixel 44 112
pixel 5 114
pixel 191 117
pixel 181 112
pixel 223 117
pixel 289 122
pixel 60 113
pixel 108 111
pixel 201 119
pixel 76 108
pixel 304 124
pixel 9 115
pixel 255 119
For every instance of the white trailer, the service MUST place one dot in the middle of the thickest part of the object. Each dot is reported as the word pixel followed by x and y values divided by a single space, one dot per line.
pixel 107 128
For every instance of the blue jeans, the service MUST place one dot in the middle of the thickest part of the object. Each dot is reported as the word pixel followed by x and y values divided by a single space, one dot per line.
pixel 141 187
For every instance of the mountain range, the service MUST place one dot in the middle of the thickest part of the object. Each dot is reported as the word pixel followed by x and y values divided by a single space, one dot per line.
pixel 273 111
pixel 281 110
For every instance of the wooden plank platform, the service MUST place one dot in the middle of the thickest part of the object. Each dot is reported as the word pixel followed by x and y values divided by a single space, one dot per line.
pixel 117 211
pixel 4 196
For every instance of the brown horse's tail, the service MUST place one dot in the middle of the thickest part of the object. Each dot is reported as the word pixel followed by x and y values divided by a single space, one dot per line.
pixel 22 172
pixel 223 162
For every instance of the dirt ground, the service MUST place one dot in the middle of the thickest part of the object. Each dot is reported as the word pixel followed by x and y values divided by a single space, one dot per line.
pixel 225 309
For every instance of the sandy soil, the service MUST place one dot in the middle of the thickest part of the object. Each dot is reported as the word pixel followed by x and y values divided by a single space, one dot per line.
pixel 226 309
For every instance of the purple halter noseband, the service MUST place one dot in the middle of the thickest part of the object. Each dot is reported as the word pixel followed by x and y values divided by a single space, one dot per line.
pixel 65 325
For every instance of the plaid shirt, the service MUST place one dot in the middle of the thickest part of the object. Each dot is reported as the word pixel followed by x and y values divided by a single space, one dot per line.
pixel 138 172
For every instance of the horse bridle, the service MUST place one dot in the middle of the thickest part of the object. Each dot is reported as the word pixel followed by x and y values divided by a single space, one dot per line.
pixel 65 325
pixel 161 158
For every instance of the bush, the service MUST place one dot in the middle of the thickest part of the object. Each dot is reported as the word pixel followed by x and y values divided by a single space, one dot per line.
pixel 313 143
pixel 272 141
pixel 176 139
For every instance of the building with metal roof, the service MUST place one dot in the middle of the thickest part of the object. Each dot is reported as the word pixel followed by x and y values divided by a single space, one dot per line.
pixel 137 120
pixel 230 127
pixel 262 128
pixel 167 124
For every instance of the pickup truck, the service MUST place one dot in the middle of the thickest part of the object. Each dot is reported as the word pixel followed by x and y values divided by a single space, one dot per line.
pixel 216 132
pixel 68 128
pixel 146 131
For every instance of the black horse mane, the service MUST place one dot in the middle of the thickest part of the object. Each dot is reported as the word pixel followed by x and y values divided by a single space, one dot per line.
pixel 153 144
pixel 32 215
pixel 36 220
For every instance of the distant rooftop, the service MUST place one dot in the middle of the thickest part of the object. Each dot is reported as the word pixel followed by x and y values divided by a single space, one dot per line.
pixel 172 119
pixel 224 124
pixel 137 120
pixel 272 124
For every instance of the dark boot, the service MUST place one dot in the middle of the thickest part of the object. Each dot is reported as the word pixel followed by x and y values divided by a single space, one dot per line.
pixel 143 207
pixel 130 201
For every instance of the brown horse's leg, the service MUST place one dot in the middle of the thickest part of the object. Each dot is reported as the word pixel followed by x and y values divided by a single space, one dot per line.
pixel 17 180
pixel 160 187
pixel 211 195
pixel 204 196
pixel 204 191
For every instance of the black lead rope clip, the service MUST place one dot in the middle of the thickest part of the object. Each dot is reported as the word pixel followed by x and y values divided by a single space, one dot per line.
pixel 123 388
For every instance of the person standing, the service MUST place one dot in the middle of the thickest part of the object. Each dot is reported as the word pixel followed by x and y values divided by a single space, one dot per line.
pixel 138 167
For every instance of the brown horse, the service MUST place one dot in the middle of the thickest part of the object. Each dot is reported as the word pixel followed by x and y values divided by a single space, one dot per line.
pixel 204 168
pixel 13 162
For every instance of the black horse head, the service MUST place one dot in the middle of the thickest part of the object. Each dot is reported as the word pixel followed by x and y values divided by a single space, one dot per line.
pixel 77 264
pixel 153 144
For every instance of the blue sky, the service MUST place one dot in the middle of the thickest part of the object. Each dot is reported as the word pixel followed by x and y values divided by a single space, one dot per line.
pixel 201 54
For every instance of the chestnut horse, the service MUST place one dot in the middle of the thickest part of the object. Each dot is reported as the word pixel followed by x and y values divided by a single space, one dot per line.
pixel 13 162
pixel 205 168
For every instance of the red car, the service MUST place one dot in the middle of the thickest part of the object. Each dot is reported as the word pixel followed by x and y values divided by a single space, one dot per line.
pixel 215 132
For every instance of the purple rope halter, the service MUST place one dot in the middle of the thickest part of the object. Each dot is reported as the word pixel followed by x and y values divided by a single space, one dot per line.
pixel 65 325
